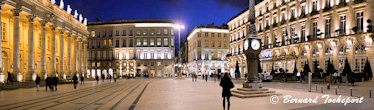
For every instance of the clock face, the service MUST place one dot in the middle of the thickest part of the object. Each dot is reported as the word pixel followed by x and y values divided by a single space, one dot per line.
pixel 246 44
pixel 255 44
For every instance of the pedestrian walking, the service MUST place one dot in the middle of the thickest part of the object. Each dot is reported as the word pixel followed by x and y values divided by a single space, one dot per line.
pixel 226 85
pixel 206 78
pixel 102 77
pixel 37 82
pixel 48 82
pixel 195 77
pixel 55 82
pixel 115 77
pixel 75 81
pixel 82 80
pixel 97 79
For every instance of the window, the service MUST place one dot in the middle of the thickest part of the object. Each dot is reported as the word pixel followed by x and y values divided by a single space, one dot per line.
pixel 166 42
pixel 124 43
pixel 303 9
pixel 110 33
pixel 314 29
pixel 328 28
pixel 165 55
pixel 145 55
pixel 360 64
pixel 165 64
pixel 117 43
pixel 158 41
pixel 131 33
pixel 224 35
pixel 219 34
pixel 145 41
pixel 212 34
pixel 314 6
pixel 158 31
pixel 152 32
pixel 158 63
pixel 206 43
pixel 131 43
pixel 199 34
pixel 123 32
pixel 152 63
pixel 293 33
pixel 138 32
pixel 206 34
pixel 138 54
pixel 219 44
pixel 172 42
pixel 145 32
pixel 172 31
pixel 138 63
pixel 303 32
pixel 213 44
pixel 117 33
pixel 138 43
pixel 342 24
pixel 145 63
pixel 360 21
pixel 152 55
pixel 152 42
pixel 104 34
pixel 199 43
pixel 98 33
pixel 98 43
pixel 165 31
pixel 3 30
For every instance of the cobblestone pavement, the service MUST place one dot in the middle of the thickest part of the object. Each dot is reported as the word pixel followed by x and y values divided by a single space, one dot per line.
pixel 158 94
pixel 105 95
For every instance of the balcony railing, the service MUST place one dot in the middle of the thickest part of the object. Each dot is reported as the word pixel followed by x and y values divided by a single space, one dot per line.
pixel 359 1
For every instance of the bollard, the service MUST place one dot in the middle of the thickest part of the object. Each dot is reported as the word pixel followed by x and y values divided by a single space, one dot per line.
pixel 351 91
pixel 321 89
pixel 316 88
pixel 336 91
pixel 362 80
pixel 369 93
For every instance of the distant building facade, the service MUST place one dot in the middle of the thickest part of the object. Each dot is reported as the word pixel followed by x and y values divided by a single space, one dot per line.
pixel 238 27
pixel 315 31
pixel 207 49
pixel 132 47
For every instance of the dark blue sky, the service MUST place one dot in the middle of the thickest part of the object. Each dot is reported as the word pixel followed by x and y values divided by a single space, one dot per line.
pixel 191 12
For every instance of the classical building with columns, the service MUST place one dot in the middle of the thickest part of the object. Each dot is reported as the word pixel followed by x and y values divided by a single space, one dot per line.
pixel 207 49
pixel 317 31
pixel 238 27
pixel 40 38
pixel 131 47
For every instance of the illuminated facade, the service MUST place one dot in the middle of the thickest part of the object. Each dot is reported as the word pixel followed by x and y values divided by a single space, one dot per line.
pixel 296 31
pixel 39 37
pixel 207 49
pixel 134 47
pixel 238 26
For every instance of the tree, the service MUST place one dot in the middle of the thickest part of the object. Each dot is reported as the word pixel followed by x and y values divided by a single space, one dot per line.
pixel 330 70
pixel 306 69
pixel 348 71
pixel 294 70
pixel 367 70
pixel 237 72
pixel 317 71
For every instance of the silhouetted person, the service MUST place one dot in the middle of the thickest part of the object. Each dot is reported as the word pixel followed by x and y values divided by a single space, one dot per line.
pixel 206 78
pixel 115 77
pixel 102 77
pixel 226 85
pixel 37 82
pixel 55 82
pixel 97 79
pixel 10 78
pixel 82 80
pixel 75 81
pixel 48 82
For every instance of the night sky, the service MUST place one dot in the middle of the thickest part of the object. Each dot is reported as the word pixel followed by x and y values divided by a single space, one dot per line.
pixel 190 12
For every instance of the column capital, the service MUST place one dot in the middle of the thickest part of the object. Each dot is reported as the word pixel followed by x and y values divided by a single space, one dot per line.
pixel 53 27
pixel 31 18
pixel 16 11
pixel 43 23
pixel 62 31
pixel 1 3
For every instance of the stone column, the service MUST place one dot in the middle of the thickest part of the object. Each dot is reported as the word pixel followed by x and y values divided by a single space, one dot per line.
pixel 53 50
pixel 69 54
pixel 43 49
pixel 31 49
pixel 62 53
pixel 79 56
pixel 76 56
pixel 16 44
pixel 2 75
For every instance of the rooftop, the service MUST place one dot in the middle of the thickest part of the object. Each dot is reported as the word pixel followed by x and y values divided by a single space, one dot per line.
pixel 131 21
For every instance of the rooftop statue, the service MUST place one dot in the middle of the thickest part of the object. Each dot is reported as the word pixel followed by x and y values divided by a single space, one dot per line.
pixel 53 1
pixel 75 14
pixel 80 18
pixel 69 9
pixel 62 4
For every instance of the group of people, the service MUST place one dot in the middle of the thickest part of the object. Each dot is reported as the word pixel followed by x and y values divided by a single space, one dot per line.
pixel 50 82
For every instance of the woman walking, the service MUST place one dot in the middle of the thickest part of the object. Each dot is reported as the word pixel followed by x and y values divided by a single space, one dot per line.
pixel 226 85
pixel 37 82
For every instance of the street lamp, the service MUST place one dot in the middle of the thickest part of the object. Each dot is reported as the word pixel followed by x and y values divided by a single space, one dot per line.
pixel 179 27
